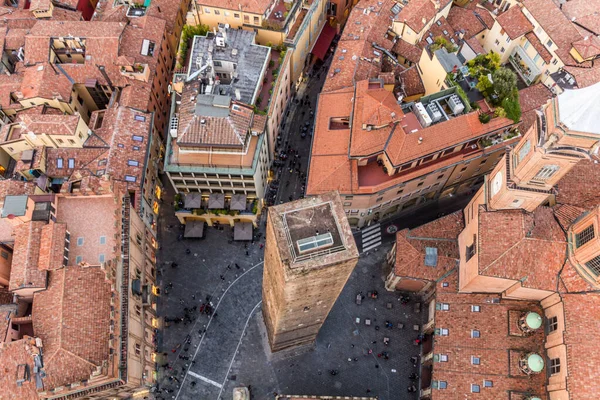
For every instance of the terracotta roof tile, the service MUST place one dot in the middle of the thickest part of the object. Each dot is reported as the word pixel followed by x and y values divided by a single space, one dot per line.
pixel 44 81
pixel 483 13
pixel 440 29
pixel 407 50
pixel 72 318
pixel 531 99
pixel 585 76
pixel 441 234
pixel 412 82
pixel 52 246
pixel 8 85
pixel 24 268
pixel 475 46
pixel 514 22
pixel 9 187
pixel 417 13
pixel 588 47
pixel 13 354
pixel 579 186
pixel 584 12
pixel 511 242
pixel 556 25
pixel 498 348
pixel 461 18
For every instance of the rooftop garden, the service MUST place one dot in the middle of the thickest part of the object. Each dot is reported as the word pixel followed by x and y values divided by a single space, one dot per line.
pixel 441 42
pixel 498 84
pixel 187 35
pixel 270 80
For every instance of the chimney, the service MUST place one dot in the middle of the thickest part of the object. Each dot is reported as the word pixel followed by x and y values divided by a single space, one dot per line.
pixel 420 140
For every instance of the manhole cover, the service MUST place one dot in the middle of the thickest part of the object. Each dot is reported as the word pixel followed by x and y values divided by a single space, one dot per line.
pixel 391 229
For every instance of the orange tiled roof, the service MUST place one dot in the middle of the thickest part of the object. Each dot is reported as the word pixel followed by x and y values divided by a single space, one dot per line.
pixel 531 99
pixel 44 81
pixel 407 50
pixel 13 354
pixel 512 242
pixel 417 13
pixel 539 47
pixel 461 18
pixel 588 46
pixel 514 22
pixel 248 6
pixel 441 234
pixel 412 82
pixel 579 186
pixel 24 268
pixel 72 317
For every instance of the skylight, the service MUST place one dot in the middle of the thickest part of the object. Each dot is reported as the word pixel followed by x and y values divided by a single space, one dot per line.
pixel 315 242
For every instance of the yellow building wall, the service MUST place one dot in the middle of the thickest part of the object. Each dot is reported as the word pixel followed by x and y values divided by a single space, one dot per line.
pixel 213 16
pixel 432 73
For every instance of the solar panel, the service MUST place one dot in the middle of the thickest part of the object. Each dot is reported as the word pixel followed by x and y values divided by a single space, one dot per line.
pixel 315 242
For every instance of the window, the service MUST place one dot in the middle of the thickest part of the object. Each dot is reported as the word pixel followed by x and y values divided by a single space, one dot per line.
pixel 536 58
pixel 443 358
pixel 138 349
pixel 470 252
pixel 207 10
pixel 555 61
pixel 138 138
pixel 101 258
pixel 217 12
pixel 133 163
pixel 348 197
pixel 4 255
pixel 507 40
pixel 431 256
pixel 549 43
pixel 524 150
pixel 59 163
pixel 442 385
pixel 584 236
pixel 236 15
pixel 256 20
pixel 475 360
pixel 594 265
pixel 488 384
pixel 475 308
pixel 246 19
pixel 130 178
pixel 80 241
pixel 12 150
pixel 78 260
pixel 497 42
pixel 71 162
pixel 545 173
pixel 502 50
pixel 147 48
pixel 443 306
pixel 443 332
pixel 552 324
pixel 475 333
pixel 475 388
pixel 136 148
pixel 140 118
pixel 71 141
pixel 554 366
pixel 347 204
pixel 400 191
pixel 526 45
pixel 445 284
pixel 379 199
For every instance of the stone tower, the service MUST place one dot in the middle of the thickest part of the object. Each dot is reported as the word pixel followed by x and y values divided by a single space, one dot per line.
pixel 309 255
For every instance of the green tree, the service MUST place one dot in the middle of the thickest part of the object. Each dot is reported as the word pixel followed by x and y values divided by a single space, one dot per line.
pixel 484 85
pixel 505 82
pixel 512 107
pixel 440 42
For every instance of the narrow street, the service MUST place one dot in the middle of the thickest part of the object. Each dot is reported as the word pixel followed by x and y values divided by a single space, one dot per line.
pixel 291 176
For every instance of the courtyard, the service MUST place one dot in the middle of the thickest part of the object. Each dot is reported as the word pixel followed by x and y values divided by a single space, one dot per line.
pixel 204 356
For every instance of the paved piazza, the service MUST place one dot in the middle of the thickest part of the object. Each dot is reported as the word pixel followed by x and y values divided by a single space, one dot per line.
pixel 208 357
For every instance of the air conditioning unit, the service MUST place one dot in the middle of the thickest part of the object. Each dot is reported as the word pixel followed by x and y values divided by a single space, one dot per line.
pixel 174 126
pixel 434 112
pixel 455 104
pixel 422 115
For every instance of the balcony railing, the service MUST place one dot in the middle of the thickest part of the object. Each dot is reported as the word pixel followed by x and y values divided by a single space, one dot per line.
pixel 524 65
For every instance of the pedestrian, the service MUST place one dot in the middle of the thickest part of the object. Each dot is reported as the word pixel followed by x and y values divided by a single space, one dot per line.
pixel 222 277
pixel 193 297
pixel 187 251
pixel 247 254
pixel 261 246
pixel 237 266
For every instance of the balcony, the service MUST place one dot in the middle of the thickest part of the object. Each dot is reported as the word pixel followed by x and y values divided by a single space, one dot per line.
pixel 524 65
pixel 499 138
pixel 138 71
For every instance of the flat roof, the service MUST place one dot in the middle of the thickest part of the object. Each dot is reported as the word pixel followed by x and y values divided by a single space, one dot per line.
pixel 313 232
pixel 15 206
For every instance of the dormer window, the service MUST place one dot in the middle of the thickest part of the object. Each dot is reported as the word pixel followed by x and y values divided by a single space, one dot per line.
pixel 584 236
